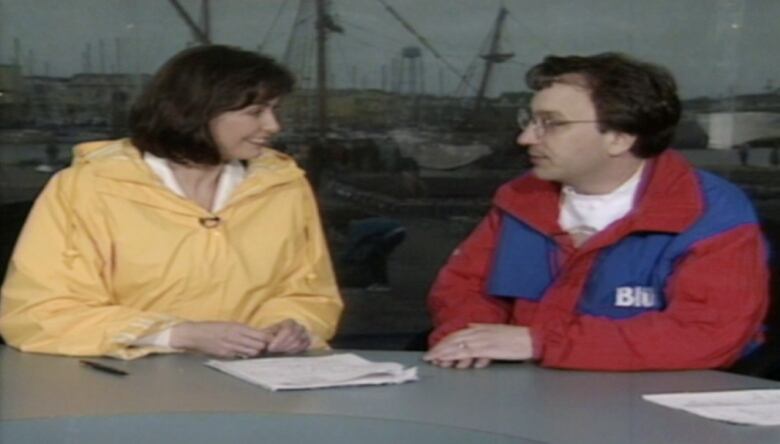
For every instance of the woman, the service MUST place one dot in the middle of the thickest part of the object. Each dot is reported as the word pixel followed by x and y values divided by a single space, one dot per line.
pixel 191 235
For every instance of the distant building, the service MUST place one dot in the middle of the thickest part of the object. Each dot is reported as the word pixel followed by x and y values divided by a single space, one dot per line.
pixel 103 100
pixel 376 109
pixel 727 129
pixel 365 109
pixel 769 102
pixel 355 109
pixel 49 101
pixel 92 100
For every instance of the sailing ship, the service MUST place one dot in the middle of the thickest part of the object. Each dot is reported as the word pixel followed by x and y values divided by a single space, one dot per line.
pixel 437 133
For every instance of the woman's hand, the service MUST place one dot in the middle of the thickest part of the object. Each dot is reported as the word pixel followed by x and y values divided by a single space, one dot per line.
pixel 221 339
pixel 479 344
pixel 288 337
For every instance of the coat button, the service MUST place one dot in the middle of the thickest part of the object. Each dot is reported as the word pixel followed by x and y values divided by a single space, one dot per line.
pixel 210 222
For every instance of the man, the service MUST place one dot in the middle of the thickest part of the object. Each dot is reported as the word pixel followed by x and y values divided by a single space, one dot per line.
pixel 613 253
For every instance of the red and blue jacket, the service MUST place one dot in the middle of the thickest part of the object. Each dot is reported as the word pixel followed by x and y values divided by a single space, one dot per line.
pixel 681 282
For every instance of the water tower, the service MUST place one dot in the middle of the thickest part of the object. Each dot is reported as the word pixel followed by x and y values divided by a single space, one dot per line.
pixel 411 75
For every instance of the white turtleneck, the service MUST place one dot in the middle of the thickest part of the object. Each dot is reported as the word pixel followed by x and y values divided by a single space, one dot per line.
pixel 587 214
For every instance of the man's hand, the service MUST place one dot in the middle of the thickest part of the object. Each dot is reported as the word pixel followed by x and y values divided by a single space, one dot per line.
pixel 221 339
pixel 479 344
pixel 288 337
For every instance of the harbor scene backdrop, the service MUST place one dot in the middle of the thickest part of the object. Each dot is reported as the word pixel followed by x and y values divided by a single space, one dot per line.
pixel 402 109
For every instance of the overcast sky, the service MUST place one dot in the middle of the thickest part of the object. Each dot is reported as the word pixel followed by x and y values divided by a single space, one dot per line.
pixel 714 47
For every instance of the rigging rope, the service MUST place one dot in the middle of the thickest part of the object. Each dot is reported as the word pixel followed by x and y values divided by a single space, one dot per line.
pixel 427 44
pixel 273 25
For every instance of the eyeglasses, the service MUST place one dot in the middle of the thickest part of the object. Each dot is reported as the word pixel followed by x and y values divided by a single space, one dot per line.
pixel 543 126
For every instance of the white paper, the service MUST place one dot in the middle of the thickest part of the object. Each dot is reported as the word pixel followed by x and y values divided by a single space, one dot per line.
pixel 749 407
pixel 295 373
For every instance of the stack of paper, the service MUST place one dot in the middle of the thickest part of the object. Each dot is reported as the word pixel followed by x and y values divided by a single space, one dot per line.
pixel 315 372
pixel 751 407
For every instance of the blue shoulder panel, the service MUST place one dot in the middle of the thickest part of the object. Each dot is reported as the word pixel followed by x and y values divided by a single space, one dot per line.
pixel 522 265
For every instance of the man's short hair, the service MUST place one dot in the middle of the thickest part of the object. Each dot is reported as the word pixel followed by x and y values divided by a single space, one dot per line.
pixel 630 96
pixel 171 117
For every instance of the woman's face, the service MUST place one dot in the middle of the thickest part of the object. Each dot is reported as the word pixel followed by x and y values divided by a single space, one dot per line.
pixel 242 134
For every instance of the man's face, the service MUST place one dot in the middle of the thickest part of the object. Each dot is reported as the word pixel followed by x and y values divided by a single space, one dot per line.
pixel 564 142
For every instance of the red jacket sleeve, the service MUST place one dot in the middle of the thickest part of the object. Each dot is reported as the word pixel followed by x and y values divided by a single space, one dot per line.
pixel 717 298
pixel 458 295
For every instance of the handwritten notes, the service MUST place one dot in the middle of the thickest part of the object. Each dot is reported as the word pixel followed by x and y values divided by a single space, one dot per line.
pixel 749 407
pixel 295 373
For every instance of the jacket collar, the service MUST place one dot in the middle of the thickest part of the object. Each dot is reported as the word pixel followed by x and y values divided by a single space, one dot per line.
pixel 120 161
pixel 669 199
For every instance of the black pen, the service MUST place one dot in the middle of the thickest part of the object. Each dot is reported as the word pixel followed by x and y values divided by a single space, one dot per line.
pixel 103 368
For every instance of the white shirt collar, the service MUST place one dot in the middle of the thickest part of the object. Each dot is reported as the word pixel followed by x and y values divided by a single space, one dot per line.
pixel 590 213
pixel 233 173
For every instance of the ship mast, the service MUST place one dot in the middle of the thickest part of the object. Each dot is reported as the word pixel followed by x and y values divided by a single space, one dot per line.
pixel 322 70
pixel 324 25
pixel 493 57
pixel 199 32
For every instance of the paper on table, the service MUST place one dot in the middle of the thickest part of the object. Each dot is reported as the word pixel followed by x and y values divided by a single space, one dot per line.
pixel 750 407
pixel 315 372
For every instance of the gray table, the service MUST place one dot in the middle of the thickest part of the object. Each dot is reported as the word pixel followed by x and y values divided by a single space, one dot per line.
pixel 177 399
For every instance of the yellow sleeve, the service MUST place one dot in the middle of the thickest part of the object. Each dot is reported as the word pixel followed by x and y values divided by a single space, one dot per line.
pixel 57 294
pixel 308 292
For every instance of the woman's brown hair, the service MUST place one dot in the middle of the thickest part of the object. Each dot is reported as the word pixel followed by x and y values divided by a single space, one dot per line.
pixel 171 117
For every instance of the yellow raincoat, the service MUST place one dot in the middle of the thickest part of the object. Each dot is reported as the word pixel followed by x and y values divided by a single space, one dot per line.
pixel 109 254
